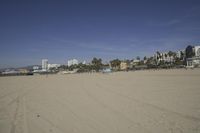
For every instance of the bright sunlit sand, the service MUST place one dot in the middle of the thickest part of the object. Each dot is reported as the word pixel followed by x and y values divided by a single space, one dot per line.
pixel 163 101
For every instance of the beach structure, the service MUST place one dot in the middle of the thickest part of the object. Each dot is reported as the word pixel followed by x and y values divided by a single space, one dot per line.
pixel 7 72
pixel 23 71
pixel 106 70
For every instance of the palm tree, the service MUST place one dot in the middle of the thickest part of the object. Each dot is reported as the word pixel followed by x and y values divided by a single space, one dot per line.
pixel 138 57
pixel 115 63
pixel 145 58
pixel 158 56
pixel 165 55
pixel 172 55
pixel 97 63
pixel 182 56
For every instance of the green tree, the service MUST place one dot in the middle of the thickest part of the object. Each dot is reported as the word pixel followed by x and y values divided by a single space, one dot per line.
pixel 115 63
pixel 182 56
pixel 189 51
pixel 97 63
pixel 172 56
pixel 63 67
pixel 158 55
pixel 145 58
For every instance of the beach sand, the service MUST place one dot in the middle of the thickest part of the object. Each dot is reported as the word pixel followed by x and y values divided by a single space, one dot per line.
pixel 162 101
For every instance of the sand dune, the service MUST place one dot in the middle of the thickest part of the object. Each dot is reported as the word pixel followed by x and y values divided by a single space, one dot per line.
pixel 163 101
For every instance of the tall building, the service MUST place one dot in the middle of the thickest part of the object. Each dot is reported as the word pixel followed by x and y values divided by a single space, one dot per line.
pixel 72 62
pixel 195 60
pixel 44 64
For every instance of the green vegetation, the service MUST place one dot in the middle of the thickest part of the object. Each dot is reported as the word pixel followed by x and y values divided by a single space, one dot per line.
pixel 97 64
pixel 115 64
pixel 189 51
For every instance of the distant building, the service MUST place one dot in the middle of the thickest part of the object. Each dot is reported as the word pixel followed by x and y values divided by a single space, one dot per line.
pixel 23 71
pixel 72 62
pixel 7 72
pixel 53 66
pixel 164 57
pixel 135 62
pixel 36 67
pixel 84 62
pixel 180 54
pixel 194 61
pixel 123 65
pixel 145 61
pixel 197 51
pixel 44 64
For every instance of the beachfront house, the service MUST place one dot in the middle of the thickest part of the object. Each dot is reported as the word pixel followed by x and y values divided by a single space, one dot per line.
pixel 123 65
pixel 194 61
pixel 135 62
pixel 167 57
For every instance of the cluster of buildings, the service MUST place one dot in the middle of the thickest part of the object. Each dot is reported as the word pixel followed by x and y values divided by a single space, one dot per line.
pixel 165 57
pixel 181 55
pixel 46 66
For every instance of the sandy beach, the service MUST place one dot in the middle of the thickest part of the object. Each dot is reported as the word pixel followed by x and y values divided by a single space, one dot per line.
pixel 162 101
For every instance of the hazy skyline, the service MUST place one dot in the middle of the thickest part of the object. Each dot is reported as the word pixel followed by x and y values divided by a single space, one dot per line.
pixel 61 30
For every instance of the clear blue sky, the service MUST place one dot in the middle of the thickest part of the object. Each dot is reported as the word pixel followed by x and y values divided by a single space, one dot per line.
pixel 59 30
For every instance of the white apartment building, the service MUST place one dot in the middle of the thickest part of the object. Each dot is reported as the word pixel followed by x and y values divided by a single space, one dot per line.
pixel 197 51
pixel 44 64
pixel 164 57
pixel 180 54
pixel 194 61
pixel 36 67
pixel 72 62
pixel 53 66
pixel 84 62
